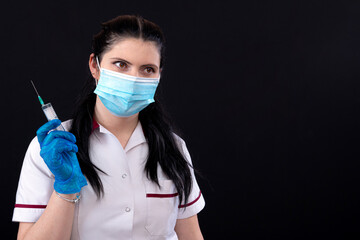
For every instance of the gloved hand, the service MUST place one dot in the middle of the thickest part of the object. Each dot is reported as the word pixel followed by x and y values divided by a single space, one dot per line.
pixel 58 149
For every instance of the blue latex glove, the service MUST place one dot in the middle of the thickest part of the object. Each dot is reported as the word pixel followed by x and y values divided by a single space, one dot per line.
pixel 58 149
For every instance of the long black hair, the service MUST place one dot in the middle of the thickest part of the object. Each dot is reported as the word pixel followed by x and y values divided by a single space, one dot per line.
pixel 163 148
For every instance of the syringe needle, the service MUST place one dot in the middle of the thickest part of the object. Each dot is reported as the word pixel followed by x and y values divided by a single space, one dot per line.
pixel 48 110
pixel 40 100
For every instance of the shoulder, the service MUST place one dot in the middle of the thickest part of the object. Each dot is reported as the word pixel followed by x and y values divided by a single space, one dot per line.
pixel 181 144
pixel 179 141
pixel 182 147
pixel 34 146
pixel 33 162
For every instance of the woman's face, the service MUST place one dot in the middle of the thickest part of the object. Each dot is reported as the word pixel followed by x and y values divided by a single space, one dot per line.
pixel 130 56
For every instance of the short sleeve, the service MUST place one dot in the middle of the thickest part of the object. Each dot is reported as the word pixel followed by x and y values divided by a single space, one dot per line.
pixel 35 186
pixel 196 201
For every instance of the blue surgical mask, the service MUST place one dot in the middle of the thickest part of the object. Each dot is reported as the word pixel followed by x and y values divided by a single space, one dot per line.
pixel 125 95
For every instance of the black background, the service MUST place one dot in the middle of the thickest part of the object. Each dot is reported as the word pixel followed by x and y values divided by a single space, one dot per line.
pixel 266 94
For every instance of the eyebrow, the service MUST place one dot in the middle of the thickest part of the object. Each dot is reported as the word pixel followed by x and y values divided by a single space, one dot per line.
pixel 123 60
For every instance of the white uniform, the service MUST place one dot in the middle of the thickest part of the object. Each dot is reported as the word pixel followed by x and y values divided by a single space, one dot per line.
pixel 132 208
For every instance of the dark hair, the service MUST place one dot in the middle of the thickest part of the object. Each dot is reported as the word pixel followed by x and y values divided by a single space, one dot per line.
pixel 163 148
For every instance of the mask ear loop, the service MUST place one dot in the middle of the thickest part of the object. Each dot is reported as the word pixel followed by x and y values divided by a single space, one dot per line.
pixel 97 62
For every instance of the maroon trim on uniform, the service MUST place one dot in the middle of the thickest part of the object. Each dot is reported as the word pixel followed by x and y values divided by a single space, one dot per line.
pixel 156 195
pixel 29 206
pixel 191 203
pixel 95 125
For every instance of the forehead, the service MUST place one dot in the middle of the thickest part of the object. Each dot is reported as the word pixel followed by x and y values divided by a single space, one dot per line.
pixel 136 51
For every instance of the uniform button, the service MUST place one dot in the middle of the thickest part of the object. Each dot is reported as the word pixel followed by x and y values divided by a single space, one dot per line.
pixel 127 209
pixel 124 175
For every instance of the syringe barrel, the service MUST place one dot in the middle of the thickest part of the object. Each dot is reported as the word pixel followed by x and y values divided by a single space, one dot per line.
pixel 50 115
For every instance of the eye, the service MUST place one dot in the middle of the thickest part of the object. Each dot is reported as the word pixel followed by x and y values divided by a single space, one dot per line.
pixel 149 70
pixel 121 65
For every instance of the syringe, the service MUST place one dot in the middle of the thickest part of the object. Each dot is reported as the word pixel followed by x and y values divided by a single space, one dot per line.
pixel 48 110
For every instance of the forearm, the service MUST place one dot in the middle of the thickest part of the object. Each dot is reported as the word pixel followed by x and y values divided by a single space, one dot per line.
pixel 55 223
pixel 188 229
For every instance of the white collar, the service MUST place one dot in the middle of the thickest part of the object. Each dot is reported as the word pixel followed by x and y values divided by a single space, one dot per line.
pixel 136 138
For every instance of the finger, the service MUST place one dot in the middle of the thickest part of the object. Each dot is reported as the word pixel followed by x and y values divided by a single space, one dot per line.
pixel 58 135
pixel 44 129
pixel 52 153
pixel 60 145
pixel 71 147
pixel 51 158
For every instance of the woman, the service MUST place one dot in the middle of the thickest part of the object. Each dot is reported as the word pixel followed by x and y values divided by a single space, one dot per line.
pixel 120 172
